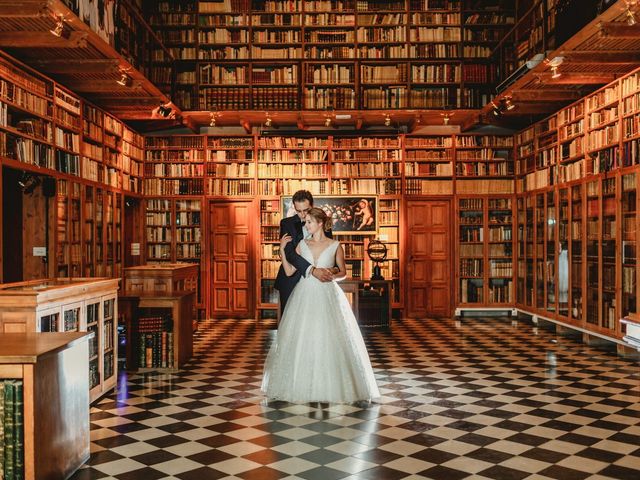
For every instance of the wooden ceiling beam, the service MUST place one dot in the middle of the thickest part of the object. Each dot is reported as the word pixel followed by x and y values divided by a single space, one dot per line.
pixel 575 78
pixel 72 67
pixel 607 58
pixel 42 40
pixel 26 9
pixel 189 122
pixel 619 30
pixel 99 86
pixel 545 95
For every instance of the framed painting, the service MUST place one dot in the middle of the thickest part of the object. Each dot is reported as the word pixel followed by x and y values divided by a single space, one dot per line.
pixel 353 214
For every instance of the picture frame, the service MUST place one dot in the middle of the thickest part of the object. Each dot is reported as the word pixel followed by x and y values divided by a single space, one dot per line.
pixel 347 211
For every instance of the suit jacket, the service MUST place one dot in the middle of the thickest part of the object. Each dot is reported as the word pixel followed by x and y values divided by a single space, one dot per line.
pixel 293 227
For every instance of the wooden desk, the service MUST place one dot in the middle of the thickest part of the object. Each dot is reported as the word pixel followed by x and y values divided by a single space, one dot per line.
pixel 370 300
pixel 181 306
pixel 55 374
pixel 166 278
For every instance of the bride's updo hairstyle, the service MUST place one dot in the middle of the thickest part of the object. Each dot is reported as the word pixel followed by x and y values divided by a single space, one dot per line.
pixel 321 217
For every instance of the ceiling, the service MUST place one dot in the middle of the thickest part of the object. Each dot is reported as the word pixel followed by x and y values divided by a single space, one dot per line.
pixel 602 51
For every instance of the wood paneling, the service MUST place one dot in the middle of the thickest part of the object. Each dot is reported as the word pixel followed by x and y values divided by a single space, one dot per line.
pixel 231 259
pixel 429 258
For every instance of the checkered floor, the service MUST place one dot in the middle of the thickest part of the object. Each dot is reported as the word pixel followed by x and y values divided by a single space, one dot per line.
pixel 480 398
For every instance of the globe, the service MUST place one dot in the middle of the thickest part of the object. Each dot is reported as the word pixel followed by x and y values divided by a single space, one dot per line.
pixel 377 252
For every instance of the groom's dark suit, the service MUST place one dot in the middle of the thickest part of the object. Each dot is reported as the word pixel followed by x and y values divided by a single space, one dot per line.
pixel 285 285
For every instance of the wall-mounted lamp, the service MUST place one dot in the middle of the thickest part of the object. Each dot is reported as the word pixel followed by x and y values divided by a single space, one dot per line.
pixel 125 80
pixel 268 122
pixel 327 122
pixel 212 119
pixel 446 117
pixel 387 120
pixel 554 72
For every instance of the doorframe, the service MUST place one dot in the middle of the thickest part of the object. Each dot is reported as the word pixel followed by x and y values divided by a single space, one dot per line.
pixel 252 249
pixel 452 239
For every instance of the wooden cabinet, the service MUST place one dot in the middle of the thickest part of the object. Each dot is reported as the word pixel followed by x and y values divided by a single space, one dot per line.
pixel 161 278
pixel 63 305
pixel 53 375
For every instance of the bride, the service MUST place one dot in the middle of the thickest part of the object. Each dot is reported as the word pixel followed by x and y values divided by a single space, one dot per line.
pixel 319 354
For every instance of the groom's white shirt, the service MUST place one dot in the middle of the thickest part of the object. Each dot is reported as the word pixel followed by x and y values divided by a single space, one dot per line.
pixel 305 235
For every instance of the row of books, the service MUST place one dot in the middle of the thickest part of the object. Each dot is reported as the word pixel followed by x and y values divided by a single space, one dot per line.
pixel 11 429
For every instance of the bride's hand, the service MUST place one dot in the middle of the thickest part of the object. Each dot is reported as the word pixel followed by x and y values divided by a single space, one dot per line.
pixel 286 238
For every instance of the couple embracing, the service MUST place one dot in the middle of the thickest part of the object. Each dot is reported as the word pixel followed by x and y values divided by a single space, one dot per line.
pixel 319 354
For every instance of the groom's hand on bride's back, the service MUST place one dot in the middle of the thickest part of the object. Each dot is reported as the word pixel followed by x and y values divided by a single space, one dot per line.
pixel 322 274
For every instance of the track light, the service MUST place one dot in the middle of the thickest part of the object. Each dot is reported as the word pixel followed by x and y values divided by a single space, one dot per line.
pixel 387 120
pixel 125 80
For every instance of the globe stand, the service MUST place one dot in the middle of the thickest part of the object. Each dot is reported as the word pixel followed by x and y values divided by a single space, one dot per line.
pixel 377 273
pixel 377 252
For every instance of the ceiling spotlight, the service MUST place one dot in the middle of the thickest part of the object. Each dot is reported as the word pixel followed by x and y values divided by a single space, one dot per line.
pixel 267 123
pixel 58 29
pixel 631 18
pixel 387 121
pixel 495 109
pixel 125 80
pixel 508 104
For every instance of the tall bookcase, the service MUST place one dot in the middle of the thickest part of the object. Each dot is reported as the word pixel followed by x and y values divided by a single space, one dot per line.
pixel 49 131
pixel 577 214
pixel 318 55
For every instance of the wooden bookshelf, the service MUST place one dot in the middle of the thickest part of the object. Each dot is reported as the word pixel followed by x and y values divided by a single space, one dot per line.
pixel 486 255
pixel 50 132
pixel 173 233
pixel 345 54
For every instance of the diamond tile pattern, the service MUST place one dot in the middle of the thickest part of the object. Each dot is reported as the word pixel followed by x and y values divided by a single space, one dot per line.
pixel 477 398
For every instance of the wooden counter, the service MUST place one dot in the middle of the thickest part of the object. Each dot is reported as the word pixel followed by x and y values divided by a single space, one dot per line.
pixel 65 305
pixel 54 370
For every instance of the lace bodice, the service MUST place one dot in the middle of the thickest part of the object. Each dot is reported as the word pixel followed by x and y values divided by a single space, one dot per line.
pixel 327 258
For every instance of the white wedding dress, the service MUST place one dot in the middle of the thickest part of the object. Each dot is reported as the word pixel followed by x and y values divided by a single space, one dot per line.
pixel 319 354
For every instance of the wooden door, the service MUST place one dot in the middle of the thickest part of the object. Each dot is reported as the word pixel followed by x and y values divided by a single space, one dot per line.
pixel 231 291
pixel 428 269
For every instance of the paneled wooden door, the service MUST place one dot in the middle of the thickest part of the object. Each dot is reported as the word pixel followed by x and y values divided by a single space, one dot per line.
pixel 231 259
pixel 429 281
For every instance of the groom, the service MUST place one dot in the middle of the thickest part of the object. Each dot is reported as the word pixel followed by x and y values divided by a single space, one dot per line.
pixel 294 227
